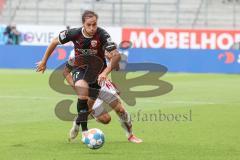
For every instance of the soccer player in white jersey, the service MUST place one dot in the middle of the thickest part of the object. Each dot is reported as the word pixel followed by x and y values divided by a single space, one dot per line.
pixel 108 94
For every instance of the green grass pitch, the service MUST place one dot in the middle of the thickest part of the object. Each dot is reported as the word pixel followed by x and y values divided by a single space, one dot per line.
pixel 29 129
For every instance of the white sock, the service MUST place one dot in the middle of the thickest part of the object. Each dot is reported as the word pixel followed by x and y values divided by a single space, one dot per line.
pixel 126 123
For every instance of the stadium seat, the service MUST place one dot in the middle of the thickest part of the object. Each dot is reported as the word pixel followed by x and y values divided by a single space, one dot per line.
pixel 157 13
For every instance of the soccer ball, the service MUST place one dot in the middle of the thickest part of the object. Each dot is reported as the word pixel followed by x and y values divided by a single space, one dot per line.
pixel 93 138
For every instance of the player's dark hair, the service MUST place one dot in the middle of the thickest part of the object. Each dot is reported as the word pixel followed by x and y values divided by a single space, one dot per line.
pixel 88 14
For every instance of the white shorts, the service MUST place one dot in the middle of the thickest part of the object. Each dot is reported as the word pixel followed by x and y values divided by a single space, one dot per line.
pixel 108 93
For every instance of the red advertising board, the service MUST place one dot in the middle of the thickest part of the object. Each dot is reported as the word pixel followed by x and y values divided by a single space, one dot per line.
pixel 181 38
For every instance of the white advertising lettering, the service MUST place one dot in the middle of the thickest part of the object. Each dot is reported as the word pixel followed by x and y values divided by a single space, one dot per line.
pixel 181 38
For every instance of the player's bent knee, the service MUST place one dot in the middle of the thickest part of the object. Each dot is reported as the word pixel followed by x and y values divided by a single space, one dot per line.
pixel 105 118
pixel 82 89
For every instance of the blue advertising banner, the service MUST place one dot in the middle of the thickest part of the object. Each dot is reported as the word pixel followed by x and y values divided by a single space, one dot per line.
pixel 27 56
pixel 187 60
pixel 176 60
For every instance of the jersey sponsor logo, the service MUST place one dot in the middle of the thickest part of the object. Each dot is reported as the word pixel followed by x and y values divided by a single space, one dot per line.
pixel 87 51
pixel 93 43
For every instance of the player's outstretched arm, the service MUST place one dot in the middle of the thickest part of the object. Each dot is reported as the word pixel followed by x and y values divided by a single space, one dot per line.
pixel 113 64
pixel 41 66
pixel 114 61
pixel 109 57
